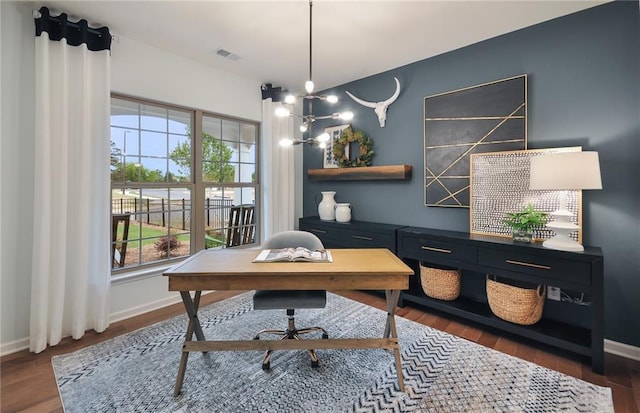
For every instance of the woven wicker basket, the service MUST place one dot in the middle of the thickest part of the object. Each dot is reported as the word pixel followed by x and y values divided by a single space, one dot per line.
pixel 515 304
pixel 443 284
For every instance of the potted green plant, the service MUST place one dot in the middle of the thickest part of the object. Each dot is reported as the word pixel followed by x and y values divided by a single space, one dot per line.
pixel 524 222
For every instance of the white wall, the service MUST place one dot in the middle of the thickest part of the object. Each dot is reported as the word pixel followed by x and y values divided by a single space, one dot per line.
pixel 137 70
pixel 16 172
pixel 143 71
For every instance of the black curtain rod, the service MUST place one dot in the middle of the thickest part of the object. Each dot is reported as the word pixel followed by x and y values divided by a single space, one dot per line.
pixel 62 17
pixel 76 25
pixel 75 33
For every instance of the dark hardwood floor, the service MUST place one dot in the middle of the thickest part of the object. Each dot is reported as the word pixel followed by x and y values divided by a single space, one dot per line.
pixel 28 383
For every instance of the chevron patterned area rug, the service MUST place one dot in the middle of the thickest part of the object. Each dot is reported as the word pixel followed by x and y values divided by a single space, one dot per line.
pixel 136 372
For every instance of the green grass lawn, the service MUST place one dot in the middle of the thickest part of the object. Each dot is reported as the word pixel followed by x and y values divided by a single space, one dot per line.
pixel 149 233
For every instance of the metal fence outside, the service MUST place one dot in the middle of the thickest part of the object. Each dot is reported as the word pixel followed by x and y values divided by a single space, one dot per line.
pixel 174 212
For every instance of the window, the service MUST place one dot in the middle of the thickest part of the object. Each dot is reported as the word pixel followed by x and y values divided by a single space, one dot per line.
pixel 181 180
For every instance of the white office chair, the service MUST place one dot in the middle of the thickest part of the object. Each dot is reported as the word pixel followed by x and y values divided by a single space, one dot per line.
pixel 291 299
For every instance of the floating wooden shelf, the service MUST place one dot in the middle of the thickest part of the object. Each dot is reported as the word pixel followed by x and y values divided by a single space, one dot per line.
pixel 399 172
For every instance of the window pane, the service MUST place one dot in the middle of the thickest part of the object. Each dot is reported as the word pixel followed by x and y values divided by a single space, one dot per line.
pixel 216 156
pixel 180 209
pixel 181 144
pixel 153 118
pixel 124 113
pixel 124 141
pixel 230 151
pixel 179 221
pixel 180 158
pixel 211 126
pixel 247 133
pixel 117 139
pixel 153 169
pixel 230 130
pixel 131 142
pixel 153 144
pixel 117 155
pixel 132 169
pixel 216 210
pixel 247 153
pixel 228 221
pixel 179 171
pixel 247 172
pixel 179 122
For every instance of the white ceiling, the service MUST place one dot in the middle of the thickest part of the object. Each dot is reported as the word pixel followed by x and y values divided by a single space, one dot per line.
pixel 351 39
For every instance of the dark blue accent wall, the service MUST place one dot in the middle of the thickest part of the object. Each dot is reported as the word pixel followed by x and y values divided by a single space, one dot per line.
pixel 584 90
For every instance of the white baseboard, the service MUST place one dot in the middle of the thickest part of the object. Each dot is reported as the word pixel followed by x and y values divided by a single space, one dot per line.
pixel 142 309
pixel 14 346
pixel 621 349
pixel 23 344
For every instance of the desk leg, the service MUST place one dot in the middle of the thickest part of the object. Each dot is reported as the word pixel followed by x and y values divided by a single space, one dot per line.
pixel 390 331
pixel 192 307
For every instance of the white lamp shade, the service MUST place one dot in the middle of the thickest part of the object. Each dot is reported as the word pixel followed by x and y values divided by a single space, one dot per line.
pixel 565 171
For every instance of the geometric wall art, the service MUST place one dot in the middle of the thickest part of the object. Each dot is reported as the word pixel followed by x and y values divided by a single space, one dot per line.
pixel 500 184
pixel 478 119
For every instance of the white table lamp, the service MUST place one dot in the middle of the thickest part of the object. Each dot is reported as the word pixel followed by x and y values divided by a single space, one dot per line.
pixel 564 171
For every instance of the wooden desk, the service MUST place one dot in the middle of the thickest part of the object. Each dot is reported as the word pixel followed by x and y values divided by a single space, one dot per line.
pixel 232 269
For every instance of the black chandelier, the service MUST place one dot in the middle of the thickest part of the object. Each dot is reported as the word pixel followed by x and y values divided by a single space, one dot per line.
pixel 308 119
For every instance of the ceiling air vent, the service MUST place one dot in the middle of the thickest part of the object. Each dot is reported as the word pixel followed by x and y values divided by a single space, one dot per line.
pixel 227 54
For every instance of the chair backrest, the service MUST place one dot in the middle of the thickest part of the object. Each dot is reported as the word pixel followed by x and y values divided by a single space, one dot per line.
pixel 293 239
pixel 241 225
pixel 119 252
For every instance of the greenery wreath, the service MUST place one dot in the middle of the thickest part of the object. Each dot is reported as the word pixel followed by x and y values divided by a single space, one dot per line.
pixel 365 145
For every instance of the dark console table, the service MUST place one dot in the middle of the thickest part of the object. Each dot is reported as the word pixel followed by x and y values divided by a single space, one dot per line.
pixel 479 256
pixel 569 326
pixel 354 234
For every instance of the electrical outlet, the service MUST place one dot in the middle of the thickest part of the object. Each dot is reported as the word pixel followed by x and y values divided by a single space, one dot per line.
pixel 553 293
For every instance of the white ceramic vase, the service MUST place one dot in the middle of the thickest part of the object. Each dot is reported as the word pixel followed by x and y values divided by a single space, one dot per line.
pixel 343 212
pixel 326 207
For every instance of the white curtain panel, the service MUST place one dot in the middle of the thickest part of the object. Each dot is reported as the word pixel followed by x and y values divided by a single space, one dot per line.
pixel 71 262
pixel 278 173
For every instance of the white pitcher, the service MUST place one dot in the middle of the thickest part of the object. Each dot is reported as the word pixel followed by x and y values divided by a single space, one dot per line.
pixel 326 207
pixel 343 212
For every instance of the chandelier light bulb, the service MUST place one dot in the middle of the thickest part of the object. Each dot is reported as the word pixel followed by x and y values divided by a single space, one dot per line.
pixel 286 142
pixel 323 138
pixel 282 112
pixel 308 86
pixel 303 128
pixel 346 115
pixel 332 99
pixel 322 145
pixel 290 99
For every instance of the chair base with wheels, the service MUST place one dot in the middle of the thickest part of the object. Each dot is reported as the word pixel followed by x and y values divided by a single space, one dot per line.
pixel 291 333
pixel 281 299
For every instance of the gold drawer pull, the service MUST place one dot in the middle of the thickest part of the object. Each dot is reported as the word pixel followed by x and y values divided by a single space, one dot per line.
pixel 528 264
pixel 436 249
pixel 362 238
pixel 318 230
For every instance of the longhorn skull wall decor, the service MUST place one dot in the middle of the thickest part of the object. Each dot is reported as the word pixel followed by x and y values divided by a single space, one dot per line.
pixel 379 107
